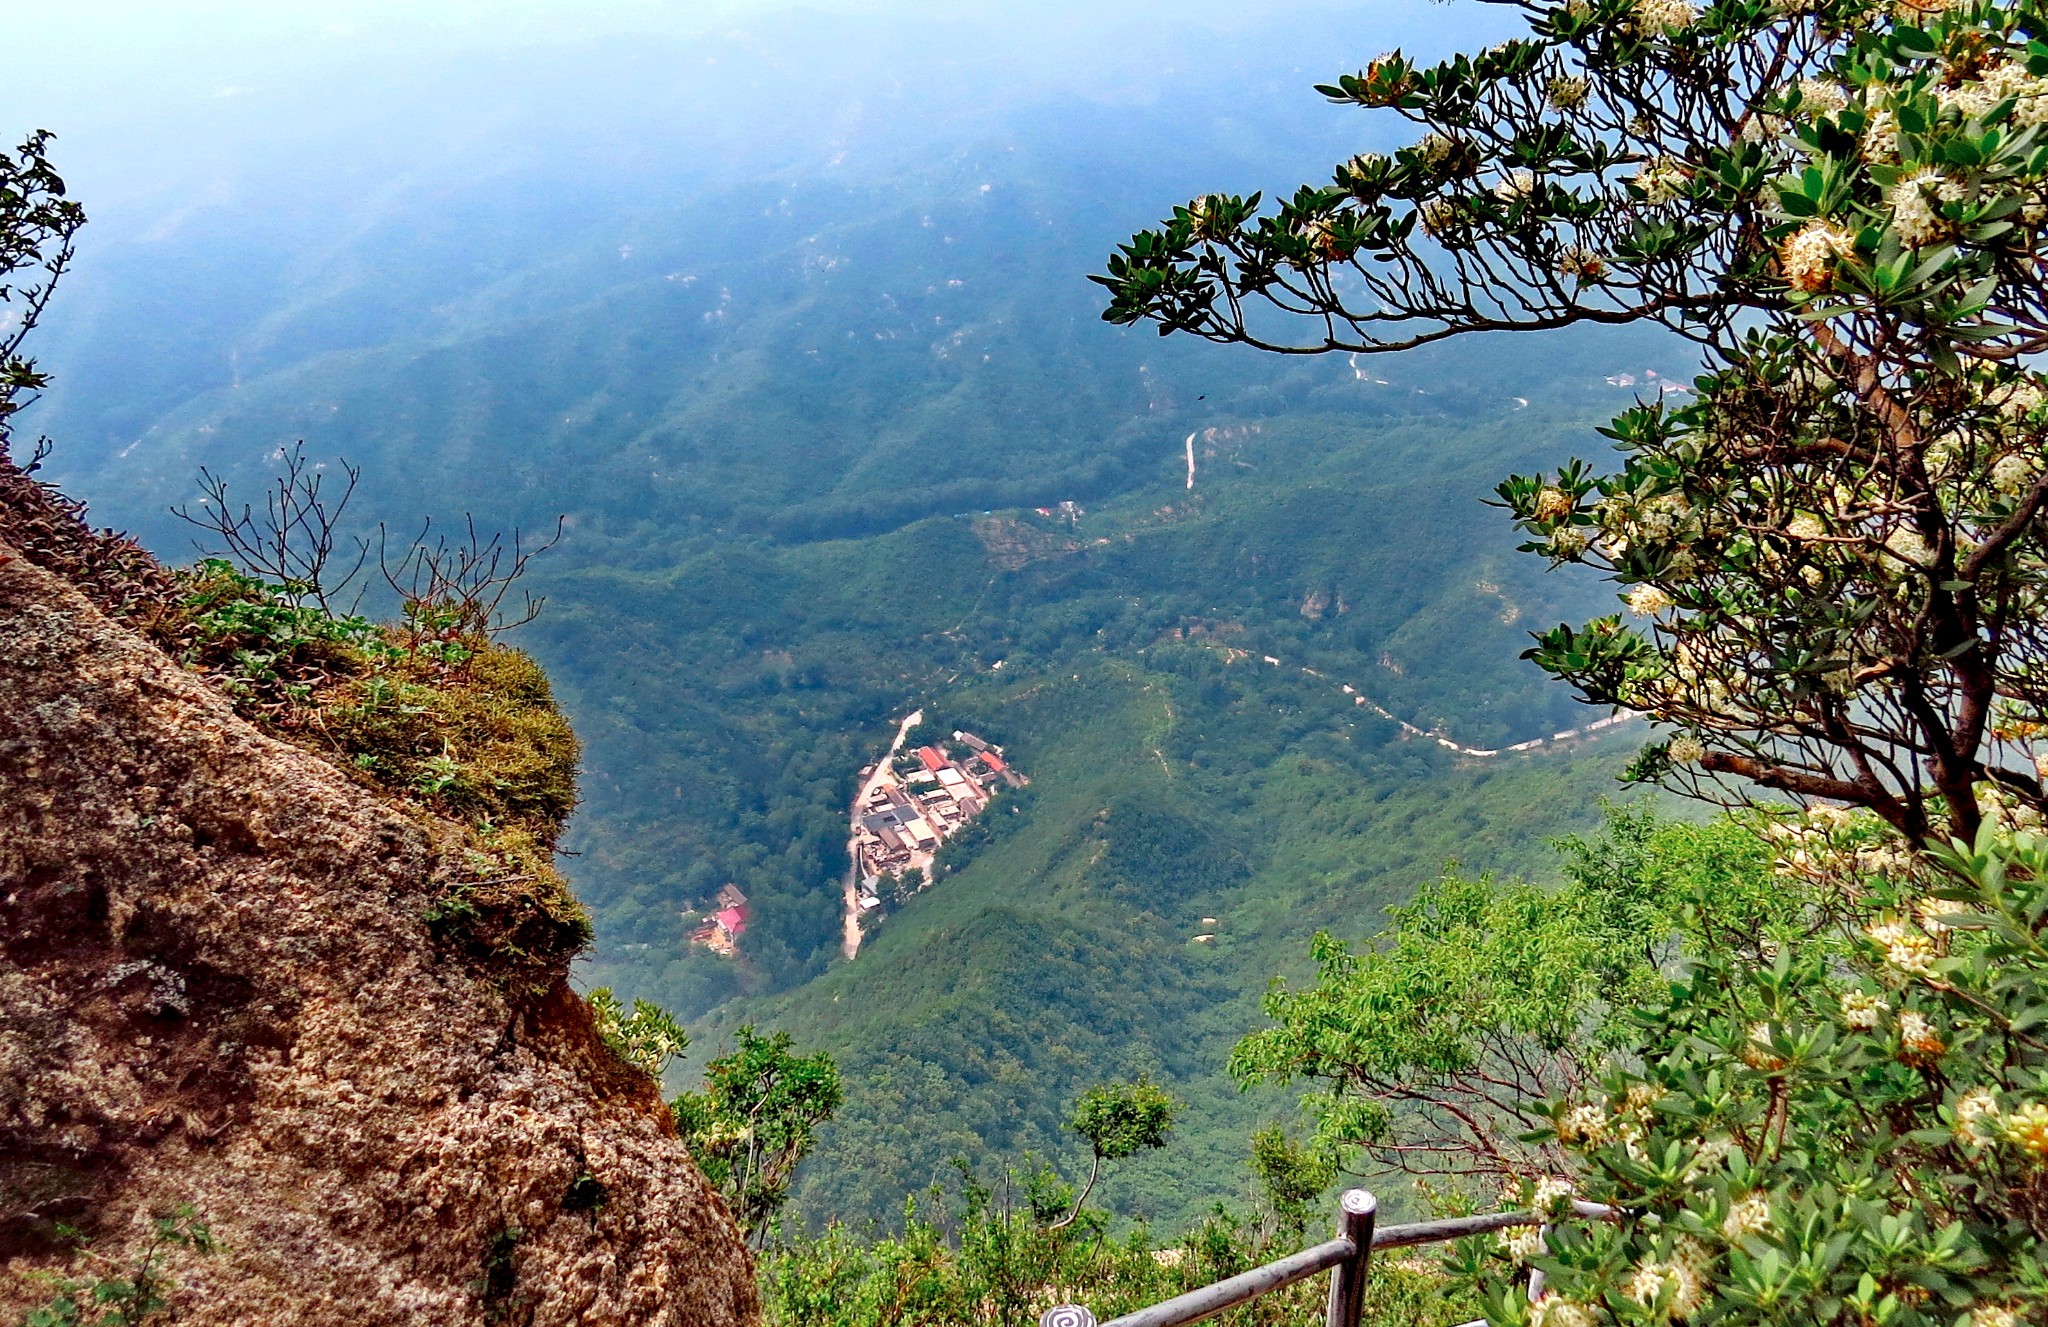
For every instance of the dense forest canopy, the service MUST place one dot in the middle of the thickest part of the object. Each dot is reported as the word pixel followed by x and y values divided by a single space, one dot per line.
pixel 852 450
pixel 801 466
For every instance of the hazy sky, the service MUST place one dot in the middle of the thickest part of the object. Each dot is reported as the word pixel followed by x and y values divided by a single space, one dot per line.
pixel 246 161
pixel 158 100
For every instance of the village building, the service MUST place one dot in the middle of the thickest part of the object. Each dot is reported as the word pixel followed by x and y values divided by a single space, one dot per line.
pixel 721 934
pixel 910 806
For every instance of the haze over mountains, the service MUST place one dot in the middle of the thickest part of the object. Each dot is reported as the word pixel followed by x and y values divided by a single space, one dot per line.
pixel 786 311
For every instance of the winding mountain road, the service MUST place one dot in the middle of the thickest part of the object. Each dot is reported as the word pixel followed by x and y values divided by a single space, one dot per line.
pixel 1360 698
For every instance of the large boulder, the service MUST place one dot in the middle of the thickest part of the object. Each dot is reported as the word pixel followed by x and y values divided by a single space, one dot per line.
pixel 219 989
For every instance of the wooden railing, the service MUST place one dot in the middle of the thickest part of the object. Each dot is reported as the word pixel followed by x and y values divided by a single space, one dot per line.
pixel 1348 1257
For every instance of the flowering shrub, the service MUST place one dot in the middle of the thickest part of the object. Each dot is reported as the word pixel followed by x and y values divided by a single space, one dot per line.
pixel 1836 558
pixel 1846 1128
pixel 1835 549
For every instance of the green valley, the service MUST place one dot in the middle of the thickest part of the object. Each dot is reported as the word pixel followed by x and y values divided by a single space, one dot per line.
pixel 812 434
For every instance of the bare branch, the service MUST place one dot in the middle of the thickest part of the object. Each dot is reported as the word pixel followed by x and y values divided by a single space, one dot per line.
pixel 292 541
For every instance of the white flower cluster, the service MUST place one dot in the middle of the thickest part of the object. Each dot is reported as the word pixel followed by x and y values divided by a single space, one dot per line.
pixel 1930 912
pixel 1916 203
pixel 1977 1117
pixel 1522 1243
pixel 1321 236
pixel 1706 673
pixel 2001 808
pixel 1757 1053
pixel 1976 97
pixel 1436 151
pixel 2018 399
pixel 1662 180
pixel 1886 859
pixel 1661 516
pixel 1685 749
pixel 1917 1036
pixel 1569 543
pixel 1862 1010
pixel 1627 519
pixel 1552 1311
pixel 1581 264
pixel 1880 128
pixel 1994 1315
pixel 1823 96
pixel 1806 527
pixel 1567 92
pixel 1584 1123
pixel 1810 843
pixel 1362 175
pixel 1809 255
pixel 1657 17
pixel 1515 186
pixel 1907 545
pixel 1747 1216
pixel 1673 1284
pixel 1712 1153
pixel 1908 950
pixel 2013 472
pixel 1438 215
pixel 1552 1196
pixel 1648 601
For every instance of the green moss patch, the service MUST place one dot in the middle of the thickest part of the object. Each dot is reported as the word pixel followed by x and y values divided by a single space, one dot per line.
pixel 454 726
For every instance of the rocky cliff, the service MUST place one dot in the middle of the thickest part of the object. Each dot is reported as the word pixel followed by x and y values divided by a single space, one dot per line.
pixel 222 986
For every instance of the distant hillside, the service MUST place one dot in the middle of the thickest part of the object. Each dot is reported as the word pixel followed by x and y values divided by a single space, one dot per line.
pixel 1065 951
pixel 800 428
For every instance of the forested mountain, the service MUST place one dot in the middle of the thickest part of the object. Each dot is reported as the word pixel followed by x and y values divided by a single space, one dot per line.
pixel 800 404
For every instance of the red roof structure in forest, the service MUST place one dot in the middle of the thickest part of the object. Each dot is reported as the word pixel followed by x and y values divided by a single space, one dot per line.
pixel 993 761
pixel 933 758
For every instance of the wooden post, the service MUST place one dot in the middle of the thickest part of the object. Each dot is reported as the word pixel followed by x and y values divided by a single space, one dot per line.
pixel 1356 1212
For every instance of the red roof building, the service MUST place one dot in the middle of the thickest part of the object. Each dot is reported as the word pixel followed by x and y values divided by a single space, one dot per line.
pixel 993 761
pixel 933 758
pixel 733 921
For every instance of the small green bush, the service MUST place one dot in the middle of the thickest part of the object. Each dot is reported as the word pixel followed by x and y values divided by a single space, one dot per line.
pixel 988 1257
pixel 131 1294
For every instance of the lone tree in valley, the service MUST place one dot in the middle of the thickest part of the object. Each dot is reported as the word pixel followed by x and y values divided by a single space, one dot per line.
pixel 1835 549
pixel 1119 1120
